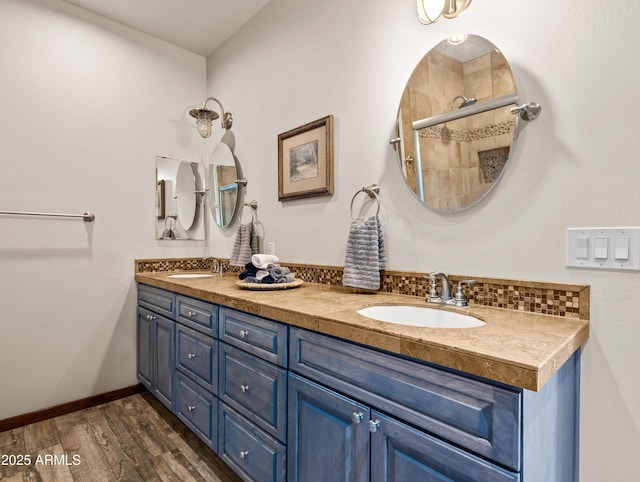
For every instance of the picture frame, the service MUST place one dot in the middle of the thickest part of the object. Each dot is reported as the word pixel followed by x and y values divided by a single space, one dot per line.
pixel 305 160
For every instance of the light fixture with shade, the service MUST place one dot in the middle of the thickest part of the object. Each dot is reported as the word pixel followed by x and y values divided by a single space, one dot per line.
pixel 204 117
pixel 431 10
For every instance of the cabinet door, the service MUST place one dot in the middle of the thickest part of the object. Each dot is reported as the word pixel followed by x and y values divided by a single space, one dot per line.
pixel 144 332
pixel 163 359
pixel 328 439
pixel 400 453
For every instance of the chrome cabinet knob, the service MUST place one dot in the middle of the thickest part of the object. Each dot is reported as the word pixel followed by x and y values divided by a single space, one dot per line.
pixel 191 314
pixel 191 408
pixel 191 356
pixel 243 454
pixel 244 333
pixel 244 388
pixel 373 425
pixel 356 417
pixel 151 317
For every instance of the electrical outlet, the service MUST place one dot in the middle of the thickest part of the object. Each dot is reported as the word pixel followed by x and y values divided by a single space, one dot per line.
pixel 271 247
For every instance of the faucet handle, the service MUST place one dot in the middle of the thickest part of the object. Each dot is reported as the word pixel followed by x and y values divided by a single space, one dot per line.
pixel 459 299
pixel 433 296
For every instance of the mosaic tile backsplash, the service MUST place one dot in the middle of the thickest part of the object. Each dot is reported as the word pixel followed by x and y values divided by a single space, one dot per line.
pixel 571 301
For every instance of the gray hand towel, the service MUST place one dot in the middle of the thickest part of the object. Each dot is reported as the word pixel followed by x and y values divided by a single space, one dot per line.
pixel 365 255
pixel 245 245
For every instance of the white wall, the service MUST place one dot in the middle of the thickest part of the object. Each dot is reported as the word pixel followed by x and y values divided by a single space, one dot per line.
pixel 85 105
pixel 577 165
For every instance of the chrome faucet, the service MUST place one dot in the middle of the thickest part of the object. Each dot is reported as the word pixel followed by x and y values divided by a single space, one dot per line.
pixel 458 300
pixel 216 265
pixel 434 296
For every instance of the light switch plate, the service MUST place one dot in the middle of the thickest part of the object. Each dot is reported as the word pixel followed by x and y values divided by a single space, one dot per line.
pixel 604 248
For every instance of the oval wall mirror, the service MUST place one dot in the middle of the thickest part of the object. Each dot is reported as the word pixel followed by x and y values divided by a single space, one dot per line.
pixel 224 174
pixel 456 125
pixel 185 195
pixel 179 214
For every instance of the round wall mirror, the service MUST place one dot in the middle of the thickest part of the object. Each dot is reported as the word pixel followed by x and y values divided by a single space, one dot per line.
pixel 224 173
pixel 455 126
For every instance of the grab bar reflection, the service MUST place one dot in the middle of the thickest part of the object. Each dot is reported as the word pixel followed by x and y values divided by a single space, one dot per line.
pixel 87 217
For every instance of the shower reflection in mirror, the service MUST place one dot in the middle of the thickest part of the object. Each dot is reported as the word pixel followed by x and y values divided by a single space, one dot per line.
pixel 457 124
pixel 179 199
pixel 224 176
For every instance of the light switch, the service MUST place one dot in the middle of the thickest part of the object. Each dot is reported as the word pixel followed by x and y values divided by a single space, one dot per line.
pixel 582 247
pixel 621 249
pixel 604 248
pixel 601 248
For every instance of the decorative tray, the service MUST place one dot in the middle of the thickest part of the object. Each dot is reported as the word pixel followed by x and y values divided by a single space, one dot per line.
pixel 269 286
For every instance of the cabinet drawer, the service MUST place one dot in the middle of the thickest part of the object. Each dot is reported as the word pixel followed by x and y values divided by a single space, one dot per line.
pixel 263 338
pixel 198 409
pixel 196 314
pixel 400 452
pixel 155 299
pixel 250 452
pixel 197 356
pixel 478 416
pixel 255 388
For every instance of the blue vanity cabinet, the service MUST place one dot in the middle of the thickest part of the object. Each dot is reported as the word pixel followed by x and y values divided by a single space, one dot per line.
pixel 196 364
pixel 252 390
pixel 155 340
pixel 278 402
pixel 425 422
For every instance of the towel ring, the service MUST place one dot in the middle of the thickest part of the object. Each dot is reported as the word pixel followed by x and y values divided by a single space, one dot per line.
pixel 372 191
pixel 254 210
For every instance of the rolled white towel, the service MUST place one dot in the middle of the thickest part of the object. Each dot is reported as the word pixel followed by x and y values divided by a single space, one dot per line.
pixel 261 261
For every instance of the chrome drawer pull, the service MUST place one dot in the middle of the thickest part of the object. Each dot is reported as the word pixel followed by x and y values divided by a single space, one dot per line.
pixel 244 333
pixel 191 356
pixel 243 454
pixel 151 317
pixel 356 417
pixel 373 425
pixel 191 408
pixel 244 388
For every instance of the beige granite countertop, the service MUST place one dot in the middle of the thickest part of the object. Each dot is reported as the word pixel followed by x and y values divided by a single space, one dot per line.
pixel 516 348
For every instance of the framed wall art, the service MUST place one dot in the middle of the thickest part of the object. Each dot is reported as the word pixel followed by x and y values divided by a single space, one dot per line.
pixel 305 160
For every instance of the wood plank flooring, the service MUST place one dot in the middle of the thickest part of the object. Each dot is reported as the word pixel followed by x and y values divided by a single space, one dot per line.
pixel 132 439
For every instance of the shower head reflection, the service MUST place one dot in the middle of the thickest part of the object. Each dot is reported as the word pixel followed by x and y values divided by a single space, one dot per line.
pixel 465 101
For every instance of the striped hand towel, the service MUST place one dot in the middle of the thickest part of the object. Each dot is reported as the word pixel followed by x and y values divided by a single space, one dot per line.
pixel 245 245
pixel 365 254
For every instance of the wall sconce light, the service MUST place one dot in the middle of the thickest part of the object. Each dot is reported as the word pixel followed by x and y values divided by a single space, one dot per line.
pixel 205 116
pixel 431 10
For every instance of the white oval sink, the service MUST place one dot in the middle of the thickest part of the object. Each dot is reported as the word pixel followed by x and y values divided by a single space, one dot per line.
pixel 420 316
pixel 190 275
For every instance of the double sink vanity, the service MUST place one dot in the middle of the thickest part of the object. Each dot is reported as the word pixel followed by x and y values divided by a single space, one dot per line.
pixel 306 384
pixel 320 383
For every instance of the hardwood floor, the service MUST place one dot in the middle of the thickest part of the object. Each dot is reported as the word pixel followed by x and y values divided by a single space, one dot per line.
pixel 132 439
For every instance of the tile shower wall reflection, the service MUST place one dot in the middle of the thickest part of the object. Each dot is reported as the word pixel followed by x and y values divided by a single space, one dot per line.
pixel 453 173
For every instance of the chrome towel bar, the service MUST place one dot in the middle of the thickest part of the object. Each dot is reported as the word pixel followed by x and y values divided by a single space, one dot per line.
pixel 87 217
